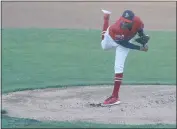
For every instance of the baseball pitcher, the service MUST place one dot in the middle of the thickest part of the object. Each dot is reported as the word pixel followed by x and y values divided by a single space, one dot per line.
pixel 120 36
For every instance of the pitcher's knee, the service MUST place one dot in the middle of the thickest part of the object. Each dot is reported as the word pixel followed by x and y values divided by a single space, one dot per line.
pixel 103 45
pixel 119 69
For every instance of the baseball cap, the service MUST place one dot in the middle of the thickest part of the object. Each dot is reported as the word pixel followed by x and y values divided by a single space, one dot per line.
pixel 128 16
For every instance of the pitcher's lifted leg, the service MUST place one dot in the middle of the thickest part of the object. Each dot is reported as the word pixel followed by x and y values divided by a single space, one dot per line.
pixel 107 42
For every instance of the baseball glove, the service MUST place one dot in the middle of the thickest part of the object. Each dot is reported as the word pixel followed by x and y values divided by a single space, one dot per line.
pixel 143 39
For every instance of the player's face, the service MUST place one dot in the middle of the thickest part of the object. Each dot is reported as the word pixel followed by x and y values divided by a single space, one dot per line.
pixel 126 25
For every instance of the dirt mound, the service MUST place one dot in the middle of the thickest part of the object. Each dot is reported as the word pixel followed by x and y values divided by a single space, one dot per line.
pixel 140 104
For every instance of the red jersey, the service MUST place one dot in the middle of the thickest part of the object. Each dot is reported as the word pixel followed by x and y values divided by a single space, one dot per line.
pixel 115 30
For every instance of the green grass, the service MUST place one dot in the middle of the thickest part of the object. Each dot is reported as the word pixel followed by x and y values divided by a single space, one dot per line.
pixel 39 58
pixel 12 122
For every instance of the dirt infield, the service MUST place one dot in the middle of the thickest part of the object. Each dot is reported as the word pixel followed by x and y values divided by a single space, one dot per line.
pixel 140 104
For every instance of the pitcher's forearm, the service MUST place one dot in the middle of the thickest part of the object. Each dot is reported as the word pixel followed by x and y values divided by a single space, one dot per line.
pixel 129 45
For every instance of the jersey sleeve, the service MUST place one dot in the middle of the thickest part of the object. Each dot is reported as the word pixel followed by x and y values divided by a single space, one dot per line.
pixel 141 24
pixel 140 28
pixel 127 44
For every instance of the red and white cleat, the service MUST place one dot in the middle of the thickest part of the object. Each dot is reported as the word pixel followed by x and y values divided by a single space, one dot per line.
pixel 111 101
pixel 106 11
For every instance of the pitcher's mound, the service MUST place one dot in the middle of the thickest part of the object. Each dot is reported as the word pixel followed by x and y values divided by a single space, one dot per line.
pixel 139 104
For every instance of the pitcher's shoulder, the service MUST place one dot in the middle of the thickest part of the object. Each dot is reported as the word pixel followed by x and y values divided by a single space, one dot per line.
pixel 138 19
pixel 114 27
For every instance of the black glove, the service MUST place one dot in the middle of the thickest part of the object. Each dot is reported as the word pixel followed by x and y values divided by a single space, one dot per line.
pixel 143 39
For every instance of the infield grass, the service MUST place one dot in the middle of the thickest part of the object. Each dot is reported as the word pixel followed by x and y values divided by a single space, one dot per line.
pixel 12 122
pixel 39 58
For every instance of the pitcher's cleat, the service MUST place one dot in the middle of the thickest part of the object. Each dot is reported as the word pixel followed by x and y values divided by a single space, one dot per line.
pixel 106 11
pixel 111 101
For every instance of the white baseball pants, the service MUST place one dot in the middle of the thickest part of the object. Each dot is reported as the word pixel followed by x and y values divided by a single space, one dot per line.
pixel 121 52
